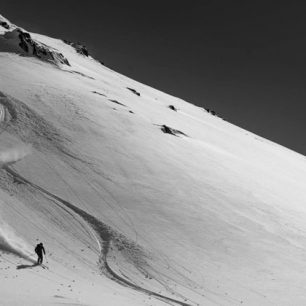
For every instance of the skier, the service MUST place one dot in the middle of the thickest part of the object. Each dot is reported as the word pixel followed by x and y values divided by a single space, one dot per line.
pixel 39 250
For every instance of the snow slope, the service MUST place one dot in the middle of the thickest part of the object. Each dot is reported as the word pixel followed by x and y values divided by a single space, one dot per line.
pixel 130 215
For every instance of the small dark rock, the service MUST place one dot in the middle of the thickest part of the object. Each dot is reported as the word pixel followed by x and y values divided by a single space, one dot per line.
pixel 211 111
pixel 134 91
pixel 80 48
pixel 168 130
pixel 115 101
pixel 4 24
pixel 98 93
pixel 24 46
pixel 173 108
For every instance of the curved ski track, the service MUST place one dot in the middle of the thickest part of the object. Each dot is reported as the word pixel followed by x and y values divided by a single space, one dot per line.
pixel 105 234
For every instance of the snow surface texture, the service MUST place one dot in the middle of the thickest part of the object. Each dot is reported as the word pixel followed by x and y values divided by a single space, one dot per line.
pixel 140 198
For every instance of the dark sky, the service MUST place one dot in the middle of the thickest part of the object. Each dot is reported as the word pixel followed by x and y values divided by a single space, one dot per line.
pixel 244 59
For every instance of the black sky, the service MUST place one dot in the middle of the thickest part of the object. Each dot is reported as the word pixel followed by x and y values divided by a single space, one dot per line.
pixel 244 59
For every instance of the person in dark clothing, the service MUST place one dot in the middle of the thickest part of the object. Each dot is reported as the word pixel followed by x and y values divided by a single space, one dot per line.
pixel 39 250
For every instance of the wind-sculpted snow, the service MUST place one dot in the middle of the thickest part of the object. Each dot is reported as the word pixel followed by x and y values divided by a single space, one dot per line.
pixel 30 127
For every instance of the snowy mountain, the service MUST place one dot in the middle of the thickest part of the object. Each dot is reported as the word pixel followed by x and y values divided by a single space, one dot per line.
pixel 140 198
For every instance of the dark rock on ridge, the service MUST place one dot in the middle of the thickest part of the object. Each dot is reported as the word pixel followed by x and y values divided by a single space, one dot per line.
pixel 19 41
pixel 5 25
pixel 80 48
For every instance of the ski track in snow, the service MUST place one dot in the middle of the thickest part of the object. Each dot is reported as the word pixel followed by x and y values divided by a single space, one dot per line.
pixel 105 237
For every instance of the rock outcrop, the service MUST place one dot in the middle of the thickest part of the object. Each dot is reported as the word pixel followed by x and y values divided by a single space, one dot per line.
pixel 80 48
pixel 4 24
pixel 21 42
pixel 168 130
pixel 173 108
pixel 134 91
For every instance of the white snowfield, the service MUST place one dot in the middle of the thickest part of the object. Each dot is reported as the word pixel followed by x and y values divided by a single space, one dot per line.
pixel 129 214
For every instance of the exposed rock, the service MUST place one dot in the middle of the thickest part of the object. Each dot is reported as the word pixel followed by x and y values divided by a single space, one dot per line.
pixel 21 42
pixel 80 48
pixel 82 74
pixel 173 108
pixel 5 25
pixel 134 91
pixel 116 102
pixel 168 130
pixel 211 111
pixel 98 93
